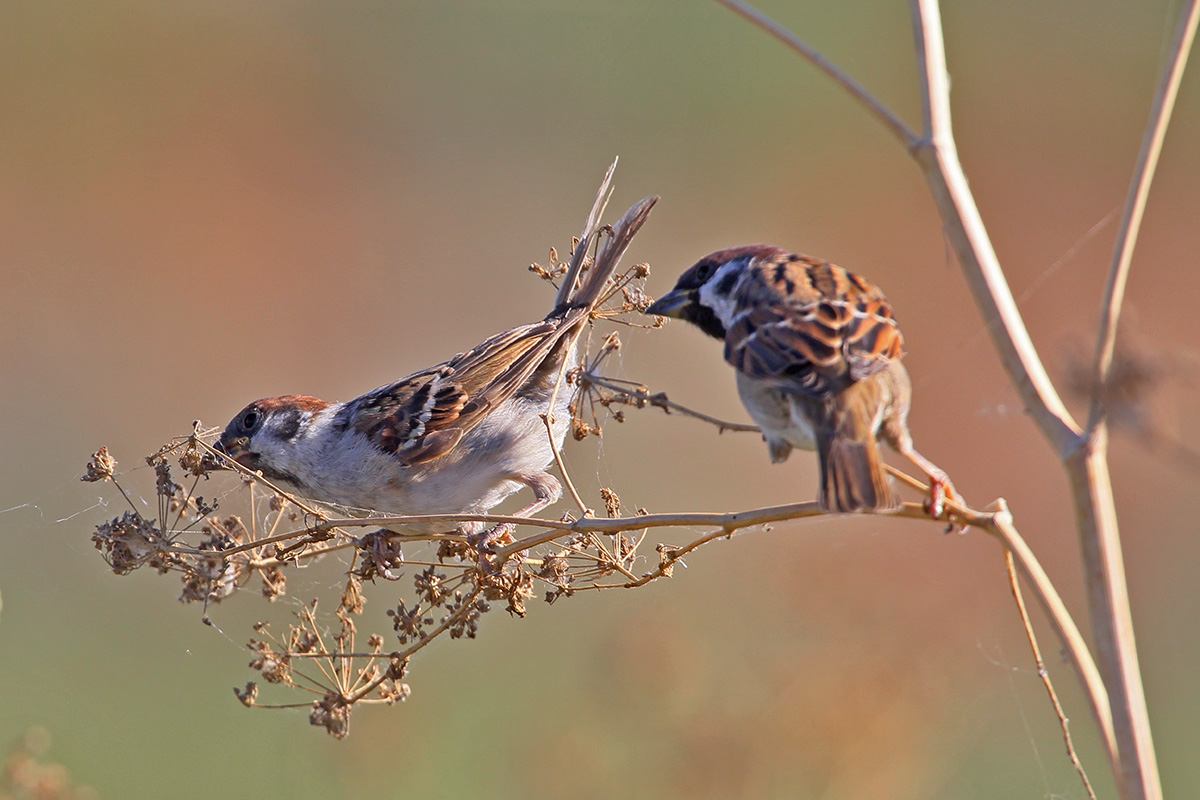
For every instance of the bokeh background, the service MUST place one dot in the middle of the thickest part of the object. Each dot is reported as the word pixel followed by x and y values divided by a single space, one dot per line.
pixel 202 203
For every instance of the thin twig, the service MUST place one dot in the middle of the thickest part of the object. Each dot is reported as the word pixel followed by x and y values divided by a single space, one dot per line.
pixel 1130 747
pixel 963 225
pixel 878 109
pixel 1135 204
pixel 638 395
pixel 462 611
pixel 1044 673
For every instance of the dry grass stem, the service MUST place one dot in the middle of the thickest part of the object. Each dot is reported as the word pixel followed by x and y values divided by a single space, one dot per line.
pixel 885 116
pixel 1127 731
pixel 1044 674
pixel 1135 204
pixel 448 595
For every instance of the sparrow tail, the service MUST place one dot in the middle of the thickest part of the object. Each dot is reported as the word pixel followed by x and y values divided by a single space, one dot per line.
pixel 852 474
pixel 593 283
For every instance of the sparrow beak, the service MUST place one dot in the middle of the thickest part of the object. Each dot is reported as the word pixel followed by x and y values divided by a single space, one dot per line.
pixel 233 449
pixel 672 303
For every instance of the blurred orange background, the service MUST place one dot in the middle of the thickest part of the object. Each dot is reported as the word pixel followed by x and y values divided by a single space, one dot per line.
pixel 205 203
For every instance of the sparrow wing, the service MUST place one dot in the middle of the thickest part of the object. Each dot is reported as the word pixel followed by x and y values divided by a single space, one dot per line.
pixel 811 327
pixel 422 417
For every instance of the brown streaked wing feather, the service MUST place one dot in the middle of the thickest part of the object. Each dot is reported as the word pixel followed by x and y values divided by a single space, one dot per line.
pixel 811 327
pixel 396 418
pixel 421 417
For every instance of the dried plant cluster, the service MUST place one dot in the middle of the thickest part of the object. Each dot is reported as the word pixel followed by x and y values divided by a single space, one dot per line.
pixel 26 774
pixel 246 532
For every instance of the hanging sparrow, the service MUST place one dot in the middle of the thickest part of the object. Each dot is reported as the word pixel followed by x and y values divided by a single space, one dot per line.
pixel 817 354
pixel 456 438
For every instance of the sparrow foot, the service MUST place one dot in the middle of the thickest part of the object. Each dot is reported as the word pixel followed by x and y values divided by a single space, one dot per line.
pixel 941 490
pixel 485 544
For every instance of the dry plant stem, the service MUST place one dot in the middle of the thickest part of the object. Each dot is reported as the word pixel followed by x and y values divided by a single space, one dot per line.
pixel 881 112
pixel 998 524
pixel 641 395
pixel 1044 673
pixel 401 655
pixel 586 239
pixel 548 420
pixel 1112 620
pixel 937 154
pixel 1135 204
pixel 1132 760
pixel 1127 732
pixel 1088 466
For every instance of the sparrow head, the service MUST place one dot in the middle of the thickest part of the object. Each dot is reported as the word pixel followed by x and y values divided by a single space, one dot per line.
pixel 262 433
pixel 703 295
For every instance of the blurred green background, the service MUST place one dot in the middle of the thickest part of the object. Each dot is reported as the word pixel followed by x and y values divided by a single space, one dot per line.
pixel 202 203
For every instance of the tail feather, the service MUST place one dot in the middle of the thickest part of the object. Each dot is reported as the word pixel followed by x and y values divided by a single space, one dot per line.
pixel 593 284
pixel 852 476
pixel 581 290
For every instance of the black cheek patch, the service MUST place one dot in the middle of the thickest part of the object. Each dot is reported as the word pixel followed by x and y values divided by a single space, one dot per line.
pixel 289 424
pixel 704 319
pixel 725 285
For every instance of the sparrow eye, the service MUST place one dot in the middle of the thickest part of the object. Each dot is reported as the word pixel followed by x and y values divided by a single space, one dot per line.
pixel 705 270
pixel 250 419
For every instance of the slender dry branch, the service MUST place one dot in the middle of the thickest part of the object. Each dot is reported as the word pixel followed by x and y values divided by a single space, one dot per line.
pixel 1063 722
pixel 1135 204
pixel 639 396
pixel 1087 467
pixel 1112 619
pixel 1127 731
pixel 997 523
pixel 572 277
pixel 878 109
pixel 938 156
pixel 1131 753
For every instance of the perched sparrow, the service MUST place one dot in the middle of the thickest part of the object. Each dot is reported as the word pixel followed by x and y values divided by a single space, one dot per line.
pixel 817 354
pixel 456 438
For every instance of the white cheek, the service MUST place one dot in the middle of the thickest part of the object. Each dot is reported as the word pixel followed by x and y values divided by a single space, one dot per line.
pixel 723 305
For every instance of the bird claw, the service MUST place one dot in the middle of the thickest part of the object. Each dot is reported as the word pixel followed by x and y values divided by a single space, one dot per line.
pixel 941 490
pixel 485 542
pixel 935 503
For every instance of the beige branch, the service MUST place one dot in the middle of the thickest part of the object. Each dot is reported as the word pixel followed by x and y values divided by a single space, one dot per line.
pixel 998 524
pixel 938 156
pixel 1044 674
pixel 1135 204
pixel 878 109
pixel 1127 731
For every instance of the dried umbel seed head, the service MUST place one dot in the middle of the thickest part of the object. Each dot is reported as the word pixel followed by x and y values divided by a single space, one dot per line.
pixel 198 462
pixel 332 713
pixel 409 623
pixel 392 692
pixel 274 583
pixel 431 586
pixel 275 667
pixel 127 542
pixel 247 695
pixel 101 467
pixel 612 503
